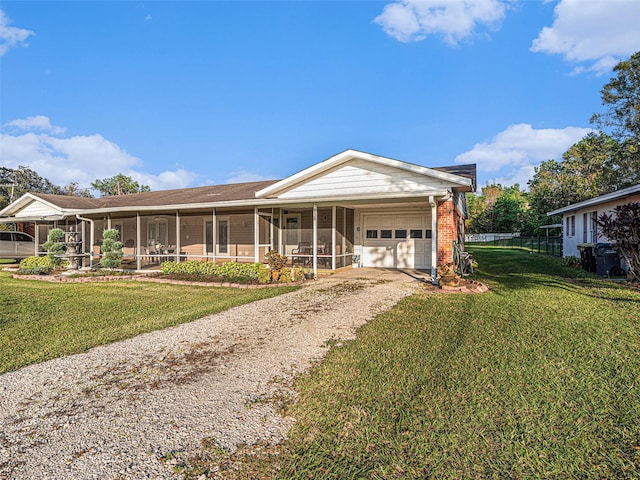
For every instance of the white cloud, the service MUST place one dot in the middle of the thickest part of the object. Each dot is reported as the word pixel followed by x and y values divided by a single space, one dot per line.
pixel 37 123
pixel 11 36
pixel 597 33
pixel 81 158
pixel 414 20
pixel 513 153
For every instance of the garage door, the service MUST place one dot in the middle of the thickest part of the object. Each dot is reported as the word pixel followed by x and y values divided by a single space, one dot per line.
pixel 396 240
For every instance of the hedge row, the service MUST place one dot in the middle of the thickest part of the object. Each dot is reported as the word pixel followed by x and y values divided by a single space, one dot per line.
pixel 233 271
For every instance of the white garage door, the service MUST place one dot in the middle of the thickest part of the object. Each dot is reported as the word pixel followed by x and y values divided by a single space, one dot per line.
pixel 396 240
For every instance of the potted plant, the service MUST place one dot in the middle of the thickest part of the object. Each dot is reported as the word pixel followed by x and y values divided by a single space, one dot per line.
pixel 447 275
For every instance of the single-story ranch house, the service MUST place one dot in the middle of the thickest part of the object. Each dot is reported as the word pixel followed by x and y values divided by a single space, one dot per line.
pixel 579 225
pixel 353 207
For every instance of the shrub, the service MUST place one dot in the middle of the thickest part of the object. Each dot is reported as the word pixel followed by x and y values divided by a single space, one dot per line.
pixel 229 271
pixel 54 245
pixel 40 265
pixel 111 248
pixel 572 262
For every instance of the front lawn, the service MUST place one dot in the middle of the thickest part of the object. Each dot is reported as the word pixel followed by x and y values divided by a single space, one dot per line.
pixel 537 379
pixel 41 320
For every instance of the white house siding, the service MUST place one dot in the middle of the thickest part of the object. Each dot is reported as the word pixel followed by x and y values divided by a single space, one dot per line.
pixel 362 177
pixel 37 209
pixel 586 232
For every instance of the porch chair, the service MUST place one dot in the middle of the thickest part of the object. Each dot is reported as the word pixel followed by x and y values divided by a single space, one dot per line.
pixel 302 254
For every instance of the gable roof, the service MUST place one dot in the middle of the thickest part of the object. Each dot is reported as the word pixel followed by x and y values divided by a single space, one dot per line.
pixel 608 197
pixel 348 155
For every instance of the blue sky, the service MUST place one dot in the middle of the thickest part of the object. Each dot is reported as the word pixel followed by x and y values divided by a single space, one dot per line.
pixel 180 94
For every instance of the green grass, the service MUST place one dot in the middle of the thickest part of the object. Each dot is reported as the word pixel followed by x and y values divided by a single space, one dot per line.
pixel 41 320
pixel 537 379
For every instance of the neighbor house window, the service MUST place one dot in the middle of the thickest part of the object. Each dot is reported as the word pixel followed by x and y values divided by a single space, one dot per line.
pixel 372 234
pixel 415 234
pixel 428 234
pixel 401 234
pixel 386 234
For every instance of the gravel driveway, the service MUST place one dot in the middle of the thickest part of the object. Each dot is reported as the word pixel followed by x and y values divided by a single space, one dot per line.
pixel 132 408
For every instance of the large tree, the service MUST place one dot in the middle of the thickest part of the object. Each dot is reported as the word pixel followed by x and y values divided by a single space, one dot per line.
pixel 119 185
pixel 621 99
pixel 15 182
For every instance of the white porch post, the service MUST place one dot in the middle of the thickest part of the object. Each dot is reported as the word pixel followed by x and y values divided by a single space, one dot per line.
pixel 315 240
pixel 214 234
pixel 281 249
pixel 36 236
pixel 108 220
pixel 434 240
pixel 138 239
pixel 92 239
pixel 256 235
pixel 333 237
pixel 178 235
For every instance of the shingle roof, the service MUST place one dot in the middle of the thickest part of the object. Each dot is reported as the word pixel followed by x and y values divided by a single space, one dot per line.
pixel 181 196
pixel 467 171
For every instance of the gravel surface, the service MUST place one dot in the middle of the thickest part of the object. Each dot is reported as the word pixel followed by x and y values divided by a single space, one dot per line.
pixel 133 409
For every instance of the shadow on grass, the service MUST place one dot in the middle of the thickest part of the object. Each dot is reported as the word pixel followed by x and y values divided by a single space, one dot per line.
pixel 511 269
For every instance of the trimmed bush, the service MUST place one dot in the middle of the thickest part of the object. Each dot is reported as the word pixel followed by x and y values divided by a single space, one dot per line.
pixel 111 248
pixel 54 245
pixel 40 265
pixel 231 271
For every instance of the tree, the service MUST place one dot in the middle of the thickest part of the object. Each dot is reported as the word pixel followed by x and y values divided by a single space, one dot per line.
pixel 73 190
pixel 15 182
pixel 621 97
pixel 118 185
pixel 623 227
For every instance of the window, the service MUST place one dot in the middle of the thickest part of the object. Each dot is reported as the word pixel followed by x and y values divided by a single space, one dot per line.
pixel 415 234
pixel 372 234
pixel 386 234
pixel 223 236
pixel 401 234
pixel 570 226
pixel 428 234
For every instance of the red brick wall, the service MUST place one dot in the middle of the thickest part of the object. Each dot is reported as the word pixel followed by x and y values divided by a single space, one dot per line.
pixel 447 231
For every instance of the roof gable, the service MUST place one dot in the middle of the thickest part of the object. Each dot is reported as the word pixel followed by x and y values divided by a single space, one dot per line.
pixel 357 173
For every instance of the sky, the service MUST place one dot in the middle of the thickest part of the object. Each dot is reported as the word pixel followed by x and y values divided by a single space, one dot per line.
pixel 182 94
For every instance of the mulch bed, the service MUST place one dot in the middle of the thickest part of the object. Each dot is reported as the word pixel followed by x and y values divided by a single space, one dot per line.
pixel 465 286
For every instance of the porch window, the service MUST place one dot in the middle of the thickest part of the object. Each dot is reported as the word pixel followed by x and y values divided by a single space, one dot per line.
pixel 157 232
pixel 223 236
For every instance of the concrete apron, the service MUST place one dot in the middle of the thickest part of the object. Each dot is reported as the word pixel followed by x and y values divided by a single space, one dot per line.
pixel 389 274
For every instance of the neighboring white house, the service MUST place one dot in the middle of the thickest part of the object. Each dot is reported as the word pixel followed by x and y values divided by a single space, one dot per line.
pixel 579 224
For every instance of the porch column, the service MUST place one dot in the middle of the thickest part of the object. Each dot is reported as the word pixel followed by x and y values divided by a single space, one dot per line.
pixel 109 221
pixel 138 226
pixel 178 235
pixel 256 235
pixel 333 237
pixel 36 236
pixel 214 234
pixel 92 239
pixel 281 249
pixel 434 240
pixel 315 240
